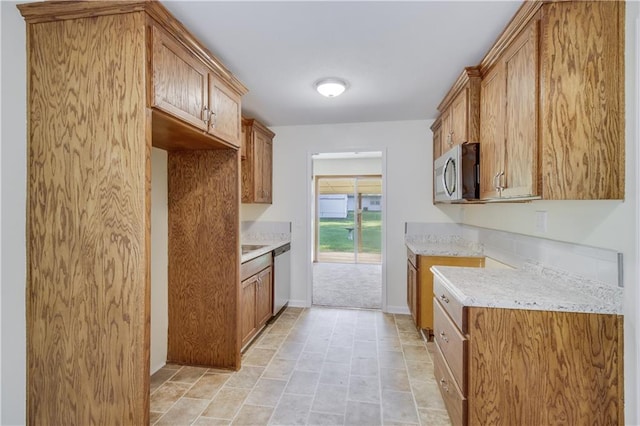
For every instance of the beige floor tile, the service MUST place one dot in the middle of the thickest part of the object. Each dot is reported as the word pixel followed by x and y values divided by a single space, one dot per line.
pixel 364 367
pixel 365 349
pixel 183 412
pixel 259 357
pixel 416 353
pixel 292 410
pixel 317 344
pixel 166 395
pixel 271 341
pixel 390 344
pixel 398 406
pixel 246 377
pixel 310 361
pixel 189 374
pixel 392 359
pixel 251 415
pixel 366 334
pixel 342 340
pixel 364 388
pixel 207 386
pixel 339 354
pixel 334 373
pixel 330 399
pixel 173 366
pixel 302 382
pixel 280 329
pixel 321 419
pixel 266 392
pixel 298 335
pixel 160 376
pixel 427 394
pixel 433 417
pixel 210 421
pixel 280 369
pixel 420 370
pixel 290 350
pixel 154 416
pixel 363 413
pixel 226 403
pixel 394 379
pixel 410 338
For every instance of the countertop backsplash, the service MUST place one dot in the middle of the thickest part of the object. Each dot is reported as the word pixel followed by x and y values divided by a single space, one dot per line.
pixel 260 232
pixel 532 254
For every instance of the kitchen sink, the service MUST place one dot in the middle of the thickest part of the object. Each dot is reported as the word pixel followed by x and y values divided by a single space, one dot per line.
pixel 247 248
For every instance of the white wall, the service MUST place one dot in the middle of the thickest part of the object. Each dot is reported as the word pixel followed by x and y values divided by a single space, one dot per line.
pixel 355 166
pixel 14 181
pixel 606 224
pixel 408 153
pixel 159 259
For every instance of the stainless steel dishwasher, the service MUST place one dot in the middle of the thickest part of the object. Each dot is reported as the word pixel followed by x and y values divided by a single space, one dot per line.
pixel 281 277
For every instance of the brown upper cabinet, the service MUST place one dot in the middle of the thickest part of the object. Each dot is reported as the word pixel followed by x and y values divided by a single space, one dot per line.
pixel 459 118
pixel 551 109
pixel 257 162
pixel 186 88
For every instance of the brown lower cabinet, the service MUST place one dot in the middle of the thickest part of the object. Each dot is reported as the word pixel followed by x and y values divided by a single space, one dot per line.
pixel 525 367
pixel 256 296
pixel 420 284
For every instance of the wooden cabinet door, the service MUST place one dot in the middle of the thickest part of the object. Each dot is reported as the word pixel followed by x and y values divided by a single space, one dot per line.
pixel 460 118
pixel 264 297
pixel 179 80
pixel 437 141
pixel 492 129
pixel 412 292
pixel 447 136
pixel 225 122
pixel 248 321
pixel 267 170
pixel 521 132
pixel 259 146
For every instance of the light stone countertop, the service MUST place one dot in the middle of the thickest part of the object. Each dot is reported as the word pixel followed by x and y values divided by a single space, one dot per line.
pixel 271 243
pixel 532 288
pixel 429 245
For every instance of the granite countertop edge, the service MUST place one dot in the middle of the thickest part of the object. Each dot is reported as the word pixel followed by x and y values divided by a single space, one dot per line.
pixel 269 245
pixel 494 288
pixel 459 248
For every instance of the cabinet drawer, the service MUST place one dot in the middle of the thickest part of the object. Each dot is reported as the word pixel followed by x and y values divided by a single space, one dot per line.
pixel 455 402
pixel 253 266
pixel 452 344
pixel 451 305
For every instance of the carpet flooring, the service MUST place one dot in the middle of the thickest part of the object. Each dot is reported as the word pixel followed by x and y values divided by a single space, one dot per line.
pixel 347 285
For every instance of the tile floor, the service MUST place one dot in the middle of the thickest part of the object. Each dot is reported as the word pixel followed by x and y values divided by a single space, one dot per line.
pixel 356 285
pixel 317 366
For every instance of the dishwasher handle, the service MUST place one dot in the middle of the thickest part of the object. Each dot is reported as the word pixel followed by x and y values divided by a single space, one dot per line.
pixel 282 249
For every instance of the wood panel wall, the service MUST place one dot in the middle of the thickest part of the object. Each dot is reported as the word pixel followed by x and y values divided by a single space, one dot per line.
pixel 204 260
pixel 541 368
pixel 88 223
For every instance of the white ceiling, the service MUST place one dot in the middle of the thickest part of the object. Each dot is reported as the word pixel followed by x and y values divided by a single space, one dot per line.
pixel 399 58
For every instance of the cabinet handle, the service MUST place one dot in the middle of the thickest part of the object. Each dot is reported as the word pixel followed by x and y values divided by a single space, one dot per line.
pixel 444 298
pixel 497 183
pixel 207 115
pixel 444 385
pixel 450 138
pixel 444 337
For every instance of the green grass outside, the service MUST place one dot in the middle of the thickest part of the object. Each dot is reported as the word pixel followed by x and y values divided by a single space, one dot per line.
pixel 334 237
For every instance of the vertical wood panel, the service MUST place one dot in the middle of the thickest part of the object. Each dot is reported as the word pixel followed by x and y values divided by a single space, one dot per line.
pixel 582 111
pixel 88 229
pixel 492 129
pixel 204 259
pixel 537 367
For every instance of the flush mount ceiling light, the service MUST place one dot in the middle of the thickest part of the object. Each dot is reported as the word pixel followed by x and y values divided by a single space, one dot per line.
pixel 331 87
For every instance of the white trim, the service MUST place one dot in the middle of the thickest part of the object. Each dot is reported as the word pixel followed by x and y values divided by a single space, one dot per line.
pixel 309 223
pixel 637 245
pixel 398 310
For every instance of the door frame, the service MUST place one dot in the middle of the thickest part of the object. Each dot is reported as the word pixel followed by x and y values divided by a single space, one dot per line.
pixel 316 230
pixel 310 212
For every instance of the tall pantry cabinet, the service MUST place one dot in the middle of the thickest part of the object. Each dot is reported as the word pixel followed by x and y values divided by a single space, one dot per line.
pixel 94 86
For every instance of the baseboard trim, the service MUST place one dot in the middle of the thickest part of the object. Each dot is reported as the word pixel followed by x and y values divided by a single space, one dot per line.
pixel 298 303
pixel 397 309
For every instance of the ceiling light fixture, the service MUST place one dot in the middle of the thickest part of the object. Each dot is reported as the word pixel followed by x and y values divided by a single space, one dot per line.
pixel 331 87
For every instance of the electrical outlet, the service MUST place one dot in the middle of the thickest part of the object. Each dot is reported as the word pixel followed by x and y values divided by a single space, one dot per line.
pixel 541 221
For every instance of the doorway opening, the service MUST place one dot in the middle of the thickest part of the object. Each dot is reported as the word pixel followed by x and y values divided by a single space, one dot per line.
pixel 347 230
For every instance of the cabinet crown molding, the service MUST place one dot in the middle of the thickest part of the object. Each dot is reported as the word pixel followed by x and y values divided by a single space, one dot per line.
pixel 468 74
pixel 252 122
pixel 49 11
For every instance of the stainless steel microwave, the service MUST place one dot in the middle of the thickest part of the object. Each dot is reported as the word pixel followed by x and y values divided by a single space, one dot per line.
pixel 456 173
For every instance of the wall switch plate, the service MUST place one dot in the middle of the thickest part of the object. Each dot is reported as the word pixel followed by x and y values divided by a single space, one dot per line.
pixel 541 221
